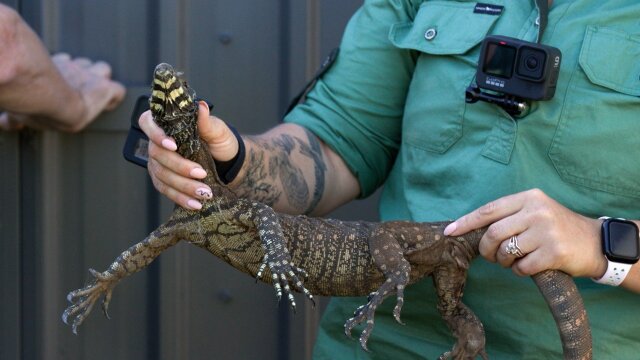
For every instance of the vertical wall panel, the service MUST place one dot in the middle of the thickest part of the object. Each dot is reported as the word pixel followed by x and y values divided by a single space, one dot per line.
pixel 11 3
pixel 119 32
pixel 10 246
pixel 10 209
pixel 234 59
pixel 90 204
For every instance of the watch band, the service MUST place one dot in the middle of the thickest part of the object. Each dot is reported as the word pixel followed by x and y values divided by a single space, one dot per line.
pixel 616 272
pixel 228 170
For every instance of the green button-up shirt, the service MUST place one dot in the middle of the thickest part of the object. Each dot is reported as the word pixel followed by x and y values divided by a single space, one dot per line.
pixel 393 106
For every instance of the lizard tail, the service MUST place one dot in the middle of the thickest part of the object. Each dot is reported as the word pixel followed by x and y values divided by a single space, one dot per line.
pixel 561 294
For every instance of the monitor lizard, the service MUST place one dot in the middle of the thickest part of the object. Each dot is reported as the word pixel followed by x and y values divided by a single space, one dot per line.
pixel 320 256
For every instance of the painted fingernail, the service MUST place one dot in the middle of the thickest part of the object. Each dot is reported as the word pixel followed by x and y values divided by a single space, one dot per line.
pixel 450 228
pixel 169 144
pixel 204 193
pixel 193 204
pixel 198 173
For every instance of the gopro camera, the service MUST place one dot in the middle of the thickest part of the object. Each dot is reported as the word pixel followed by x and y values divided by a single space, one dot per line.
pixel 517 70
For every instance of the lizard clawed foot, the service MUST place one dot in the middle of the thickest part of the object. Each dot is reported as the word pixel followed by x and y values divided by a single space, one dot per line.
pixel 468 331
pixel 364 312
pixel 284 273
pixel 367 312
pixel 82 300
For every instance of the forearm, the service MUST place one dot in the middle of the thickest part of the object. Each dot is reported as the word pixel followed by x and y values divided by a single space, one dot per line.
pixel 290 169
pixel 29 81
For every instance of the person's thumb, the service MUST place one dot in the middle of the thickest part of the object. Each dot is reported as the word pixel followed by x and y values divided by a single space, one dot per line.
pixel 223 144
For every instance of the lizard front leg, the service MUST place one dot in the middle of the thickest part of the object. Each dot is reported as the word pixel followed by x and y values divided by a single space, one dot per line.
pixel 389 258
pixel 130 261
pixel 464 324
pixel 277 256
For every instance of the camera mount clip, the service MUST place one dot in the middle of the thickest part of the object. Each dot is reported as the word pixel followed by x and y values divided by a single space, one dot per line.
pixel 513 105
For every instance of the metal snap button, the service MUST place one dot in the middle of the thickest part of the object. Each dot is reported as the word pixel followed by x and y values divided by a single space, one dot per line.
pixel 430 34
pixel 537 21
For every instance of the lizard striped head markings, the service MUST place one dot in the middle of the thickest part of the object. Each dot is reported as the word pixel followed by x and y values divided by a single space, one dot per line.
pixel 172 104
pixel 170 94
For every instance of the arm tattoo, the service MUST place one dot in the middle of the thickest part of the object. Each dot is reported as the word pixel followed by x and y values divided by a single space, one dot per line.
pixel 315 152
pixel 254 184
pixel 291 178
pixel 271 174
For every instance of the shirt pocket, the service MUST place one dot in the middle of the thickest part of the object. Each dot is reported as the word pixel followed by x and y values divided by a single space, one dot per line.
pixel 445 36
pixel 597 142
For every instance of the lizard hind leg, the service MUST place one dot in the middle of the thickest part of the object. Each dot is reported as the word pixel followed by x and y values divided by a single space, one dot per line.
pixel 130 261
pixel 464 324
pixel 388 257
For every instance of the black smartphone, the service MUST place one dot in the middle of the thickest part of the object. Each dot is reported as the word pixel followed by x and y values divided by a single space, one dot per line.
pixel 136 147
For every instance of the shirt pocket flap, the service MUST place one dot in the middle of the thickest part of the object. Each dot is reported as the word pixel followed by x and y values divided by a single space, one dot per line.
pixel 609 58
pixel 446 19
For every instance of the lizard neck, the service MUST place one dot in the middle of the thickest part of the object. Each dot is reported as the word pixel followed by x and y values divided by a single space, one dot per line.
pixel 221 192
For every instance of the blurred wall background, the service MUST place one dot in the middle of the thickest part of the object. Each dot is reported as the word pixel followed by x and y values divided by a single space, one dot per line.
pixel 71 202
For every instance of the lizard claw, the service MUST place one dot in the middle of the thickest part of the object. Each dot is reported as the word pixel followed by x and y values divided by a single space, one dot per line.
pixel 363 340
pixel 261 268
pixel 399 302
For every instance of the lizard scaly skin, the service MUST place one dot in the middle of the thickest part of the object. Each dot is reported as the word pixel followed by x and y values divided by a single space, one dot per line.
pixel 320 256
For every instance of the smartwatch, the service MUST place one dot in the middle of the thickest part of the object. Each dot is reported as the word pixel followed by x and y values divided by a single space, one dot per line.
pixel 621 248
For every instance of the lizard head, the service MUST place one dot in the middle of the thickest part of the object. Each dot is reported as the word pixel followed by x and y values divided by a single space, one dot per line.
pixel 174 109
pixel 170 95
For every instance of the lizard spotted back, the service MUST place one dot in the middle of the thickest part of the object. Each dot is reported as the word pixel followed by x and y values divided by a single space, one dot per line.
pixel 320 256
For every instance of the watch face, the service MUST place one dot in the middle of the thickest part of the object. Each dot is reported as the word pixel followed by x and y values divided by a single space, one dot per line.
pixel 620 240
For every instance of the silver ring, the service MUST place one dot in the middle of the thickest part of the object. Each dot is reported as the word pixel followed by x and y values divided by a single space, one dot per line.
pixel 513 248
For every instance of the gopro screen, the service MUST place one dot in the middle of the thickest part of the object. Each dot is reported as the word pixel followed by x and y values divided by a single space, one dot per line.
pixel 499 60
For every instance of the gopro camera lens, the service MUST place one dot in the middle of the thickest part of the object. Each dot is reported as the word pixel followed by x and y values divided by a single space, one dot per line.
pixel 531 63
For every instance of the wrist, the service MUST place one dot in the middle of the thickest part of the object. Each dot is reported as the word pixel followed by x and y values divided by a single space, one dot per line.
pixel 228 170
pixel 76 116
pixel 600 262
pixel 66 118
